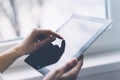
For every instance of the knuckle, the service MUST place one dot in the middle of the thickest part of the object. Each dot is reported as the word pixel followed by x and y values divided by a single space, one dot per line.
pixel 68 64
pixel 57 71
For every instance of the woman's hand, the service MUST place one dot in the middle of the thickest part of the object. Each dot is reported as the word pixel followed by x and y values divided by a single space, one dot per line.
pixel 68 71
pixel 37 39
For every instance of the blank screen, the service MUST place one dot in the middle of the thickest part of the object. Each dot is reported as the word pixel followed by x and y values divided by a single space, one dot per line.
pixel 76 32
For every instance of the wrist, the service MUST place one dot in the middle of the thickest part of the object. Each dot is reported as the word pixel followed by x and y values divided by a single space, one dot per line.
pixel 15 52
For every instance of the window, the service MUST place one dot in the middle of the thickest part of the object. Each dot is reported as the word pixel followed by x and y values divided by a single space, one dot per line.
pixel 19 17
pixel 110 40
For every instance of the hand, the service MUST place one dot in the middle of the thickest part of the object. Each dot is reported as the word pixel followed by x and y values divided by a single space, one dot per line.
pixel 45 56
pixel 37 39
pixel 68 71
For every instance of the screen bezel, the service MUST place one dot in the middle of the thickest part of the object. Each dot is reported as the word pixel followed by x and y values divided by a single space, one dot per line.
pixel 106 24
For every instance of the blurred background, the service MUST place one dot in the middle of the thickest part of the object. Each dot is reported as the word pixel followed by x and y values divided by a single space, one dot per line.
pixel 19 17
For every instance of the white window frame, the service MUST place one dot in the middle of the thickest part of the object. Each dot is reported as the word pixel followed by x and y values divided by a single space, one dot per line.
pixel 109 40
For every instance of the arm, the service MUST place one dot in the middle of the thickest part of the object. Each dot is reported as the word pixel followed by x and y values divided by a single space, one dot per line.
pixel 37 39
pixel 7 58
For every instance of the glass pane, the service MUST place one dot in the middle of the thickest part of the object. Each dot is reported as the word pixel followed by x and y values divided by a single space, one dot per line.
pixel 19 17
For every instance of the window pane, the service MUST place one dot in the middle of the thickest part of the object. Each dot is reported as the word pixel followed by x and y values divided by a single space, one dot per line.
pixel 19 17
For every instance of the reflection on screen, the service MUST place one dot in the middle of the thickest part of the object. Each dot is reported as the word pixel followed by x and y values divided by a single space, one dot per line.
pixel 76 33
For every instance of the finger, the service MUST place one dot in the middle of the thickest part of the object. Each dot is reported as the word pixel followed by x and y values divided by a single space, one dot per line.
pixel 50 76
pixel 60 71
pixel 78 66
pixel 50 33
pixel 74 72
pixel 45 41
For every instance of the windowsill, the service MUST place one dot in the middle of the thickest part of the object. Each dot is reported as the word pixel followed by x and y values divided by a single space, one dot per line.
pixel 93 64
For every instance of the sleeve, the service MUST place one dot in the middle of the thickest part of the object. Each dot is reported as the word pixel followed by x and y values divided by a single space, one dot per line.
pixel 1 77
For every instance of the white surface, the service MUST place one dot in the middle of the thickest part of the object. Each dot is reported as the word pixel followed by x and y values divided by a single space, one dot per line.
pixel 93 64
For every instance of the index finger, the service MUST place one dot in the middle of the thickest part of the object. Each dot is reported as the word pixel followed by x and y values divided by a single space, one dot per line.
pixel 50 33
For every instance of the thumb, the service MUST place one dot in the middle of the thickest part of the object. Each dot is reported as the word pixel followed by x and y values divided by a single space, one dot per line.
pixel 73 73
pixel 60 71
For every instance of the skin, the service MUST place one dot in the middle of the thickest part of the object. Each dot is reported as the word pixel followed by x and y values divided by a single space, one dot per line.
pixel 38 39
pixel 68 71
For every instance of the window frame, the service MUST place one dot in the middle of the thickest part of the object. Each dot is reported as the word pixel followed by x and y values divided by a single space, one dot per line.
pixel 110 40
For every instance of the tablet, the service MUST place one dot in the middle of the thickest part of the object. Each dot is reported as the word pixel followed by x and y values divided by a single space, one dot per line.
pixel 79 32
